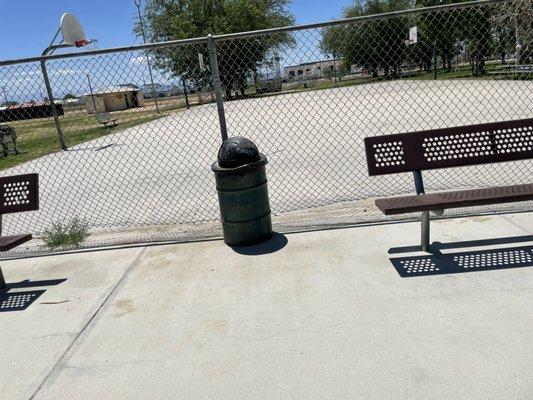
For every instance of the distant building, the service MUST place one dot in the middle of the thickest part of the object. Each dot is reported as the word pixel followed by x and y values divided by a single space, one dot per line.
pixel 114 98
pixel 312 70
pixel 29 110
pixel 73 102
pixel 149 89
pixel 129 86
pixel 173 90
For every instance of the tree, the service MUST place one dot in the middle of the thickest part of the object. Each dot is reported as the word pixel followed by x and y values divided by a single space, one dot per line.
pixel 477 33
pixel 374 45
pixel 447 31
pixel 438 31
pixel 180 19
pixel 69 96
pixel 513 24
pixel 505 34
pixel 420 53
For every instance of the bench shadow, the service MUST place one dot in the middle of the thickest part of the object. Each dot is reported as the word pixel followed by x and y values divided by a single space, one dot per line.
pixel 454 262
pixel 21 300
pixel 275 243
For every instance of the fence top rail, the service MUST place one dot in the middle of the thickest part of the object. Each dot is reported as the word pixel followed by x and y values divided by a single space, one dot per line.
pixel 229 36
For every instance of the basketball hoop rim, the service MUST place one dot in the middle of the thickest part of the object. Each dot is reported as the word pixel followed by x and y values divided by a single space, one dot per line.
pixel 81 43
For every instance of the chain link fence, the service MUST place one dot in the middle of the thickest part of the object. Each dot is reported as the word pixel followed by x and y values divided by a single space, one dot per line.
pixel 129 152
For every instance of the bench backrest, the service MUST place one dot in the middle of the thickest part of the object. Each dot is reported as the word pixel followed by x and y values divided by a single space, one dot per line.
pixel 450 147
pixel 19 193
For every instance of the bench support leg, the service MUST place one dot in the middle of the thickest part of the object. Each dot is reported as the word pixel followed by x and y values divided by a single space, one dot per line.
pixel 425 231
pixel 2 280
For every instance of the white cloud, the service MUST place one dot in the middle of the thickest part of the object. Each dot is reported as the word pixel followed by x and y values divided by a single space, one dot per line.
pixel 139 60
pixel 63 72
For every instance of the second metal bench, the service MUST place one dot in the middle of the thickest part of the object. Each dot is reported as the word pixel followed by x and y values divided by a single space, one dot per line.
pixel 445 148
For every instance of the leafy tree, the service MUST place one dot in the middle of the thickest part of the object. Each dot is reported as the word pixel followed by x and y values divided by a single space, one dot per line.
pixel 470 29
pixel 374 45
pixel 513 24
pixel 505 34
pixel 69 96
pixel 439 31
pixel 422 52
pixel 477 34
pixel 180 19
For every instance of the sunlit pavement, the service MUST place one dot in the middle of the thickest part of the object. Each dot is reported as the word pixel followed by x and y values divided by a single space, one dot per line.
pixel 353 313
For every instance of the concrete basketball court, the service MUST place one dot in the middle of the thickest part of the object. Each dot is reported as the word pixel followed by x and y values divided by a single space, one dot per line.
pixel 159 172
pixel 318 315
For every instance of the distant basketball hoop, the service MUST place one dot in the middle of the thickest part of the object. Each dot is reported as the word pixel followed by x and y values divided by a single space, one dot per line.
pixel 72 31
pixel 73 35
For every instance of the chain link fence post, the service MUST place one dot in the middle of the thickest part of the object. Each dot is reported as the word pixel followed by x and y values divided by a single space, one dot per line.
pixel 217 86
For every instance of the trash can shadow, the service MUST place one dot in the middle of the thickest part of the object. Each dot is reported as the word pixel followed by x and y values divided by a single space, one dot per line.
pixel 277 242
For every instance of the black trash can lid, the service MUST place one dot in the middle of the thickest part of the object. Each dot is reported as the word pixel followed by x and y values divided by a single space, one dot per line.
pixel 243 169
pixel 237 151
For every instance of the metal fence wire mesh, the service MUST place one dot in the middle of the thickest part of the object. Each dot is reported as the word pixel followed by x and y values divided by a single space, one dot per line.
pixel 130 153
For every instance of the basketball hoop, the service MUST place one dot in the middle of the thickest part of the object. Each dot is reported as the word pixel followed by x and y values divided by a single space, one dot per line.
pixel 72 31
pixel 73 35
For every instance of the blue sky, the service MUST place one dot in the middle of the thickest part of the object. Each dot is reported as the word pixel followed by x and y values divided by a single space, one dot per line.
pixel 27 26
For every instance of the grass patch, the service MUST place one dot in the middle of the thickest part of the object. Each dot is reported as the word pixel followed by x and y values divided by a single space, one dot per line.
pixel 38 137
pixel 69 235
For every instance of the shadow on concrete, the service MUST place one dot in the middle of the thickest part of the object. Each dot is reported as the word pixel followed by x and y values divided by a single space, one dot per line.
pixel 27 284
pixel 275 243
pixel 436 247
pixel 21 300
pixel 454 262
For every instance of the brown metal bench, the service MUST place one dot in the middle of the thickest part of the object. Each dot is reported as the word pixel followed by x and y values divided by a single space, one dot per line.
pixel 17 194
pixel 446 148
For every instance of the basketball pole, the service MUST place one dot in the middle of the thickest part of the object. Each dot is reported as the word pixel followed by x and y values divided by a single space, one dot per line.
pixel 49 50
pixel 141 24
pixel 73 35
pixel 217 85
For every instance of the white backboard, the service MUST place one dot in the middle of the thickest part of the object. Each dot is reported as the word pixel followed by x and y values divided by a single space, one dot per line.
pixel 413 35
pixel 201 62
pixel 72 31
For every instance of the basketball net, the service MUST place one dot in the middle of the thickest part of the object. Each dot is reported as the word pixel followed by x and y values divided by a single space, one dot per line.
pixel 81 43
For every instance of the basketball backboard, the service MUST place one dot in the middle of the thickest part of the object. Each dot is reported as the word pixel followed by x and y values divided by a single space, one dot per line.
pixel 72 31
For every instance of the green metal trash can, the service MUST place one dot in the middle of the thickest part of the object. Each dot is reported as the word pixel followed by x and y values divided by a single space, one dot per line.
pixel 241 183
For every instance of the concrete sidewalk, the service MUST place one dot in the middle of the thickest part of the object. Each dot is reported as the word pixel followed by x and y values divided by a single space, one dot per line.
pixel 320 315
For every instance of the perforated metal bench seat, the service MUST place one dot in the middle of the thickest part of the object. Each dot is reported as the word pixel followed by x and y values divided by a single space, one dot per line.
pixel 10 242
pixel 455 199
